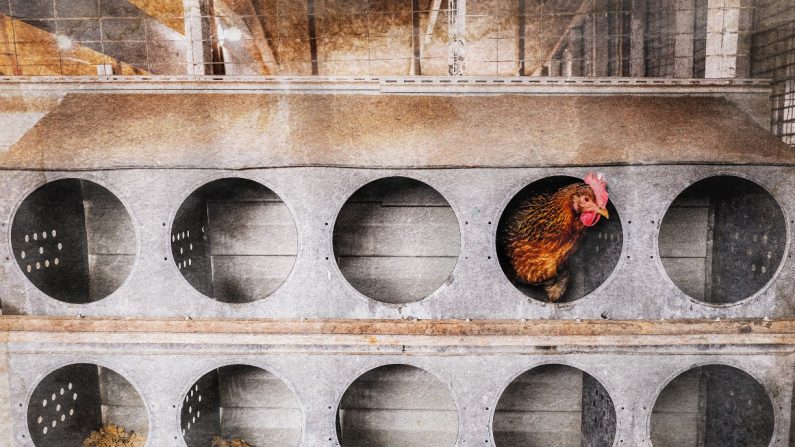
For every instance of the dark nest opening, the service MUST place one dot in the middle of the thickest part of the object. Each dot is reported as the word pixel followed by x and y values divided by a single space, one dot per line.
pixel 74 240
pixel 234 240
pixel 240 402
pixel 396 240
pixel 712 406
pixel 592 263
pixel 73 401
pixel 397 406
pixel 722 239
pixel 555 406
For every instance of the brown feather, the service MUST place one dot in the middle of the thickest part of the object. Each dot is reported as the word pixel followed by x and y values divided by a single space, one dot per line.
pixel 543 233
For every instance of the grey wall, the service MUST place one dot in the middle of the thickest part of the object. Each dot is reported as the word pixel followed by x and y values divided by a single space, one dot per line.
pixel 477 288
pixel 396 240
pixel 404 406
pixel 111 241
pixel 397 406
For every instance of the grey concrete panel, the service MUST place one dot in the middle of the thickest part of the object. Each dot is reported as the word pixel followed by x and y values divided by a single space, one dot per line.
pixel 475 381
pixel 639 287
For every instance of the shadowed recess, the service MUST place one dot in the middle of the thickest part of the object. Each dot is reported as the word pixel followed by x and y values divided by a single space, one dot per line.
pixel 74 240
pixel 396 240
pixel 722 239
pixel 712 406
pixel 555 406
pixel 397 406
pixel 73 401
pixel 234 240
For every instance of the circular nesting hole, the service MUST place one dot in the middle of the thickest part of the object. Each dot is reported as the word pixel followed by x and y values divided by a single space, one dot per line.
pixel 396 240
pixel 397 405
pixel 74 240
pixel 555 406
pixel 74 401
pixel 713 405
pixel 544 248
pixel 234 240
pixel 722 239
pixel 240 402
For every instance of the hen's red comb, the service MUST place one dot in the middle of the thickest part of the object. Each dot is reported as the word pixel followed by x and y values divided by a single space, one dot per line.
pixel 599 187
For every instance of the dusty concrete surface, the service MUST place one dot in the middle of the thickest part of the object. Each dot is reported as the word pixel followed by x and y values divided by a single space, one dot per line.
pixel 156 130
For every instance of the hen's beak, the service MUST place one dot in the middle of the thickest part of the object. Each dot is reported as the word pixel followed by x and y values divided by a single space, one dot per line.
pixel 603 212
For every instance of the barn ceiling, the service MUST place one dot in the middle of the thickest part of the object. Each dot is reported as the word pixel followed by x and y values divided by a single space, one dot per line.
pixel 286 37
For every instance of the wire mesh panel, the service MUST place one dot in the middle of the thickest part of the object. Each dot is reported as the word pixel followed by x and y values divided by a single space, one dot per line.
pixel 396 240
pixel 595 256
pixel 89 38
pixel 773 50
pixel 74 240
pixel 722 239
pixel 234 240
pixel 712 406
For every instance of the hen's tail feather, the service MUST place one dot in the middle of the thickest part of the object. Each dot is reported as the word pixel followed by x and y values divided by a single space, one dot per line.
pixel 557 287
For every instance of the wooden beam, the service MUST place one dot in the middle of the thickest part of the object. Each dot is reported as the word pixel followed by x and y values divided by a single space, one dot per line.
pixel 522 35
pixel 432 18
pixel 783 328
pixel 310 11
pixel 416 38
pixel 245 8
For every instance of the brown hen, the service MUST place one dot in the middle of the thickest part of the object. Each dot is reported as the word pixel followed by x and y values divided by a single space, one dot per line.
pixel 541 235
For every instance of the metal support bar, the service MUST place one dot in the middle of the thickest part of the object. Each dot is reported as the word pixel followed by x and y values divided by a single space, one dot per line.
pixel 194 40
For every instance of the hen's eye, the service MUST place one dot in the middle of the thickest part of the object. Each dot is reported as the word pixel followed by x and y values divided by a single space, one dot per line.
pixel 586 199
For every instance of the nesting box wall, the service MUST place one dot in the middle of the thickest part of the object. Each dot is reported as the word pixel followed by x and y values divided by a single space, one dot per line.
pixel 713 405
pixel 77 399
pixel 396 240
pixel 65 407
pixel 555 405
pixel 111 240
pixel 120 403
pixel 397 406
pixel 234 240
pixel 200 416
pixel 640 285
pixel 74 239
pixel 407 411
pixel 55 210
pixel 258 407
pixel 241 402
pixel 678 412
pixel 722 239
